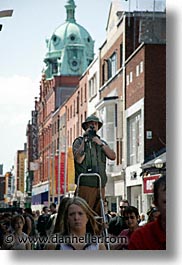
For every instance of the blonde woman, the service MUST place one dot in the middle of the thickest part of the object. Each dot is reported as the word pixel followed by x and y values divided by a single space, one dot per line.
pixel 80 230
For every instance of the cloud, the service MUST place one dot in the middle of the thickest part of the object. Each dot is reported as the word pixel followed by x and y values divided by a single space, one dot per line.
pixel 18 90
pixel 17 95
pixel 14 115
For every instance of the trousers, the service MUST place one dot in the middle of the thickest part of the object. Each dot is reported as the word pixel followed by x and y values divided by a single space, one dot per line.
pixel 92 197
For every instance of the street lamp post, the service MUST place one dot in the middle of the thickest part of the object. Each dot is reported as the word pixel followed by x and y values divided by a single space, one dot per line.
pixel 65 150
pixel 59 163
pixel 49 176
pixel 59 171
pixel 5 13
pixel 53 173
pixel 158 163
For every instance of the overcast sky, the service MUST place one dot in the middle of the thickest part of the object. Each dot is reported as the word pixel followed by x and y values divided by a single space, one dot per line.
pixel 22 51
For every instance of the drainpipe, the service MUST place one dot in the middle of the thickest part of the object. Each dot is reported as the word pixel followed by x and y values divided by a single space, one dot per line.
pixel 53 173
pixel 59 164
pixel 65 157
pixel 124 142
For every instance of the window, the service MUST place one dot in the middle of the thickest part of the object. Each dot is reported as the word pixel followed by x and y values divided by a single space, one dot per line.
pixel 54 68
pixel 57 143
pixel 137 70
pixel 81 118
pixel 134 139
pixel 70 111
pixel 103 73
pixel 58 124
pixel 121 55
pixel 107 131
pixel 131 77
pixel 78 102
pixel 93 86
pixel 85 93
pixel 81 96
pixel 127 80
pixel 55 127
pixel 112 65
pixel 72 37
pixel 74 108
pixel 68 115
pixel 141 67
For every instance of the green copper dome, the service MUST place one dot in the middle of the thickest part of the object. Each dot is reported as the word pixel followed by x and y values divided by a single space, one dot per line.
pixel 70 49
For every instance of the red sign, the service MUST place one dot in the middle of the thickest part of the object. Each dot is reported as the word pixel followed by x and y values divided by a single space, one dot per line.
pixel 62 173
pixel 62 163
pixel 56 172
pixel 148 183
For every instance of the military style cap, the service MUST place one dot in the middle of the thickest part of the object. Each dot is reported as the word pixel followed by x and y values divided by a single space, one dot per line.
pixel 91 118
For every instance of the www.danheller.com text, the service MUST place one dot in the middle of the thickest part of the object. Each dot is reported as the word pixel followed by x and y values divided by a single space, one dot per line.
pixel 71 239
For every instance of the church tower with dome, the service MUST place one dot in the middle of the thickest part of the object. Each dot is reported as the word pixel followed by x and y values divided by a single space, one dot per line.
pixel 70 49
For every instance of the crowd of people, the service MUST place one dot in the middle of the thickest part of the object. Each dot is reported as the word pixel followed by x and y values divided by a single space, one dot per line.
pixel 75 226
pixel 18 227
pixel 79 223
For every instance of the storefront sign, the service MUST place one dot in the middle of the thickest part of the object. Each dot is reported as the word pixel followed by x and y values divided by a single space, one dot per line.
pixel 148 183
pixel 40 189
pixel 71 171
pixel 62 164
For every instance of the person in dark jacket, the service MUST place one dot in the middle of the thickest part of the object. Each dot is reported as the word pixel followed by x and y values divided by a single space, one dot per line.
pixel 43 221
pixel 117 223
pixel 52 220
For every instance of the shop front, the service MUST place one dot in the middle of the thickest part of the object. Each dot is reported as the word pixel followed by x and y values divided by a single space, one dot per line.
pixel 40 196
pixel 148 190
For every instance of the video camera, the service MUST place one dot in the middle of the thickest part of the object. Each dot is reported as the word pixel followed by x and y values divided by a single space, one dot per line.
pixel 91 133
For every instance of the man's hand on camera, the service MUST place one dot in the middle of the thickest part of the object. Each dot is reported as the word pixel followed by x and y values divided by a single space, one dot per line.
pixel 96 140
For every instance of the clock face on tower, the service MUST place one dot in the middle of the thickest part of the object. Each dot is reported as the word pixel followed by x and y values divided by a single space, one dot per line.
pixel 74 64
pixel 74 59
